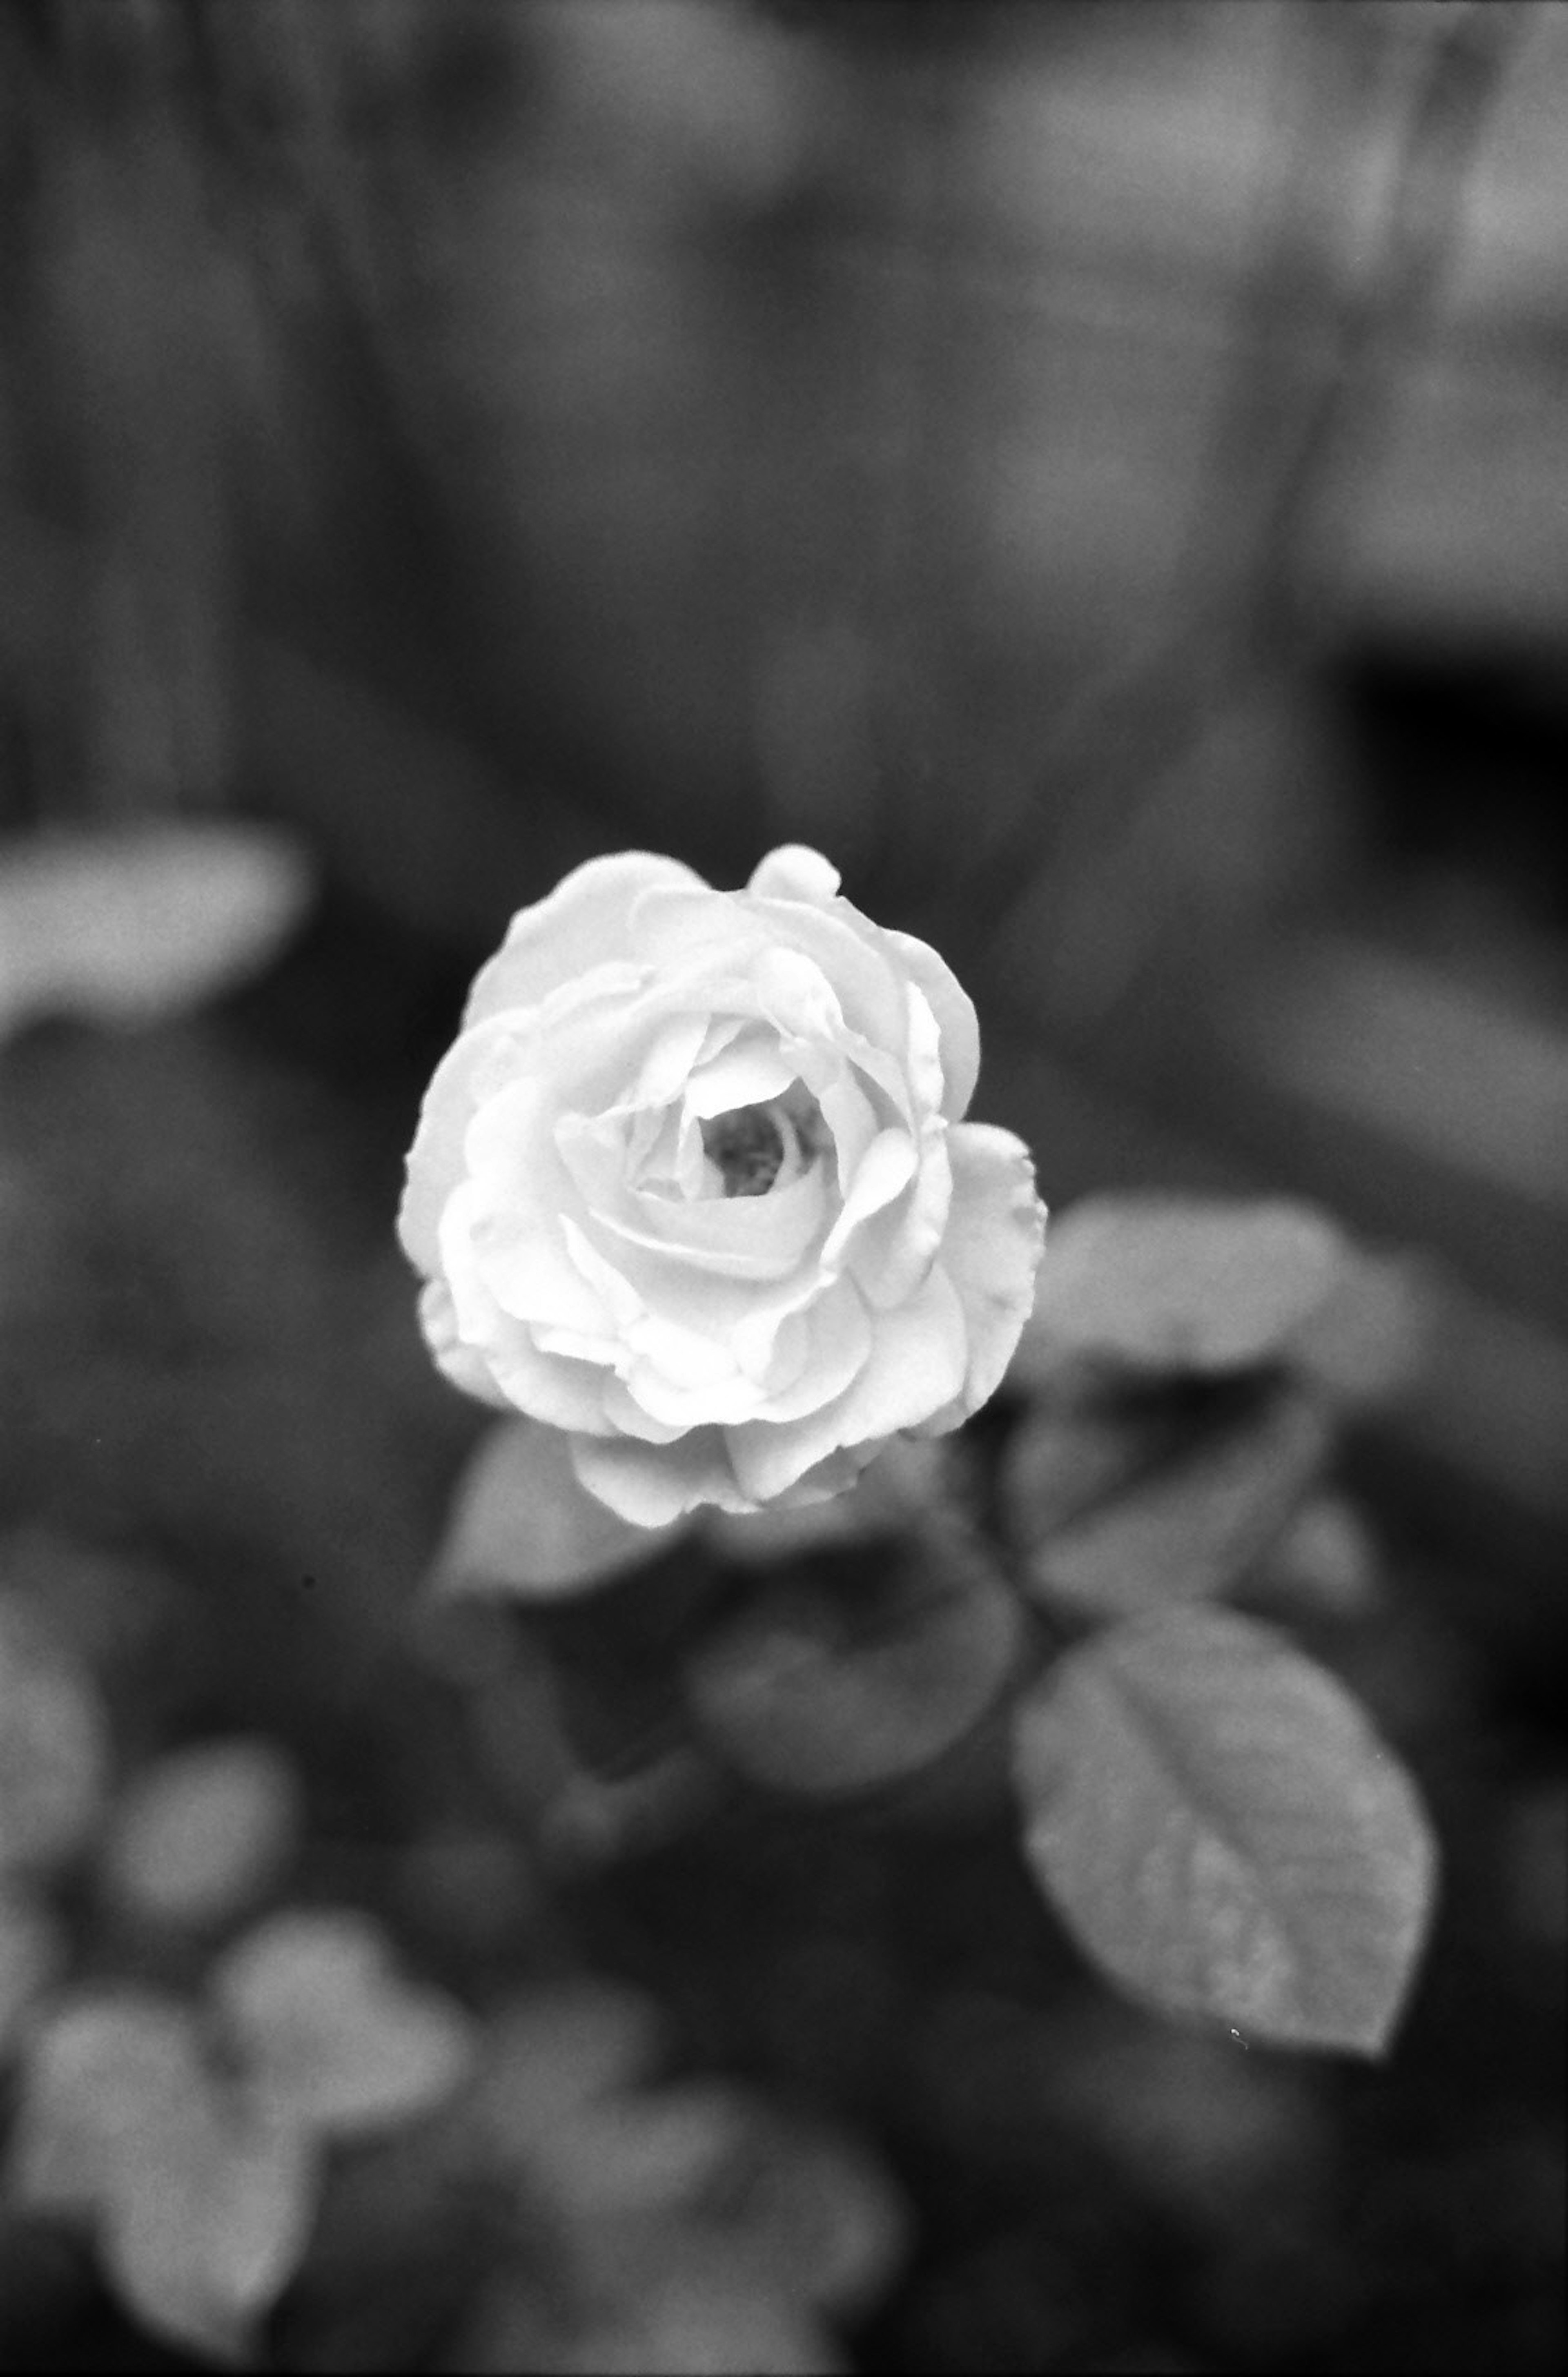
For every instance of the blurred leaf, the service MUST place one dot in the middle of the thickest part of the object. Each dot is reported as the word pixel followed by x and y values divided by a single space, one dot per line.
pixel 203 1831
pixel 641 2152
pixel 329 2036
pixel 521 1522
pixel 32 1950
pixel 1070 1453
pixel 1325 1560
pixel 209 2222
pixel 1163 1284
pixel 1187 2116
pixel 202 2210
pixel 1186 1528
pixel 51 1747
pixel 706 2325
pixel 679 2321
pixel 96 2078
pixel 130 924
pixel 560 2051
pixel 1369 1336
pixel 593 1820
pixel 812 2215
pixel 1223 1832
pixel 818 1692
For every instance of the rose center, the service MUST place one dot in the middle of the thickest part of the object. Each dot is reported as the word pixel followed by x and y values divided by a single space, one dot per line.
pixel 747 1148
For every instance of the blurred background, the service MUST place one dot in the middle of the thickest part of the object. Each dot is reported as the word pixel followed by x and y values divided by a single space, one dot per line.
pixel 1099 471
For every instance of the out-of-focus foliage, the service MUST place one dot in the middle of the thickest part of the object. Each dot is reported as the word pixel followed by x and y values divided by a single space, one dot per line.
pixel 125 926
pixel 201 1833
pixel 1160 1285
pixel 52 1748
pixel 522 1523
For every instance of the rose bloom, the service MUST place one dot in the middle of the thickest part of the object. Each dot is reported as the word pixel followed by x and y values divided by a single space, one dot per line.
pixel 693 1184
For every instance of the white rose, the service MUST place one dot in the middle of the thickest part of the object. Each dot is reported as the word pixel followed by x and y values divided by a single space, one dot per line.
pixel 693 1185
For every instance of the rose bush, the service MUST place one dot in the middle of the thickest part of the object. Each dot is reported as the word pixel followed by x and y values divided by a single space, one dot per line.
pixel 693 1185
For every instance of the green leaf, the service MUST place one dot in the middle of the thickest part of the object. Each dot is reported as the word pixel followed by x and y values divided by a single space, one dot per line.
pixel 125 925
pixel 328 2035
pixel 1157 1283
pixel 201 1833
pixel 1217 1493
pixel 1223 1832
pixel 824 1692
pixel 521 1524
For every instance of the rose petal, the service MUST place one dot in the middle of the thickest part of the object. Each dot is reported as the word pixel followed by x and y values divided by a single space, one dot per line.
pixel 749 1072
pixel 794 872
pixel 680 1357
pixel 838 1346
pixel 897 1247
pixel 567 1393
pixel 740 1239
pixel 914 1367
pixel 668 1066
pixel 464 1365
pixel 887 1166
pixel 838 978
pixel 629 1419
pixel 994 1235
pixel 584 919
pixel 524 1262
pixel 957 1022
pixel 916 1363
pixel 435 1164
pixel 923 1052
pixel 651 1484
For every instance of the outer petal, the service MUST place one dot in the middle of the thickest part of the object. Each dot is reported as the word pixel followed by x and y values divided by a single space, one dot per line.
pixel 992 1251
pixel 566 1393
pixel 916 1366
pixel 462 1364
pixel 850 978
pixel 954 1012
pixel 915 962
pixel 649 1484
pixel 437 1163
pixel 583 921
pixel 551 1387
pixel 795 872
pixel 917 1363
